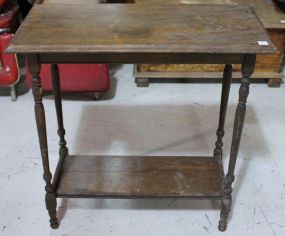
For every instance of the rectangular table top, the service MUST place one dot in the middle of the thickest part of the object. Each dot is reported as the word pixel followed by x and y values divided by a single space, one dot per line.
pixel 269 14
pixel 134 28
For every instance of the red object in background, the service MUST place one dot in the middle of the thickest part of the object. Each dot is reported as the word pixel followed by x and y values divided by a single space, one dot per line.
pixel 9 15
pixel 9 74
pixel 73 77
pixel 76 77
pixel 2 4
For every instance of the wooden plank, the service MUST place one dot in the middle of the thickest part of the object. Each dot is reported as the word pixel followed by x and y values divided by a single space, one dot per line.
pixel 205 75
pixel 135 28
pixel 132 177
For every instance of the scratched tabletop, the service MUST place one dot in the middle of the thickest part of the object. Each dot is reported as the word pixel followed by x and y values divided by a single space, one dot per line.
pixel 135 28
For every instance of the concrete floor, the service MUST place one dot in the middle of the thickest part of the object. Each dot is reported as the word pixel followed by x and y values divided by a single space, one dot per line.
pixel 164 119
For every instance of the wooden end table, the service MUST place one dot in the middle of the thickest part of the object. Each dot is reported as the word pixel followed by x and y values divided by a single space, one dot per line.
pixel 95 33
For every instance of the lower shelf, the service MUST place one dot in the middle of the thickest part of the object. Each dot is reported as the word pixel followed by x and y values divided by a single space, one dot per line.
pixel 140 177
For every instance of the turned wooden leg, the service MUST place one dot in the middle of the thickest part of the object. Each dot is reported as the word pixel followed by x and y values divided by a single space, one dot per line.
pixel 50 198
pixel 63 150
pixel 142 82
pixel 218 152
pixel 51 207
pixel 247 70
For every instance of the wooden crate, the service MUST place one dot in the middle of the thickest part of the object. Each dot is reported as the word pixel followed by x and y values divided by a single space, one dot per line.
pixel 268 66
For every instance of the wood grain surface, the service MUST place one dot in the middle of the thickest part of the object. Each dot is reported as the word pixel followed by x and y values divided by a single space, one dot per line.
pixel 270 15
pixel 130 177
pixel 125 28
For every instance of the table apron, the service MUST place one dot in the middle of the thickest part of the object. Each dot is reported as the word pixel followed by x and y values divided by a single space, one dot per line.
pixel 137 58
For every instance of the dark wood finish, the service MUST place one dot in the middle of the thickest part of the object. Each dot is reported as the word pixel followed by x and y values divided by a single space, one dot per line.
pixel 134 28
pixel 131 58
pixel 34 68
pixel 269 14
pixel 63 150
pixel 51 35
pixel 131 177
pixel 247 70
pixel 57 97
pixel 218 152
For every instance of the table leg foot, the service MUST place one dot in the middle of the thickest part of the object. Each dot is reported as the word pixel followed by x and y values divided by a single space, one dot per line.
pixel 225 211
pixel 226 203
pixel 222 225
pixel 51 207
pixel 54 224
